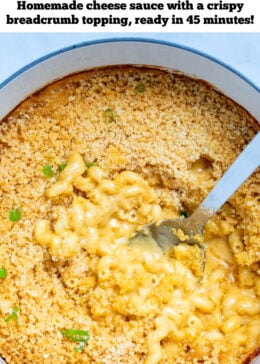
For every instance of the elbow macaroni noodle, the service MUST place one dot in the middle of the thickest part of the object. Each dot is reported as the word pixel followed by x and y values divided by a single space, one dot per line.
pixel 221 310
pixel 102 221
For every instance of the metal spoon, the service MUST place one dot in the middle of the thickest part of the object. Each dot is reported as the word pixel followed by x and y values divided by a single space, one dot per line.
pixel 168 233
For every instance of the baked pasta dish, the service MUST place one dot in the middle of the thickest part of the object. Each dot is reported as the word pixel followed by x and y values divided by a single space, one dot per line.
pixel 84 164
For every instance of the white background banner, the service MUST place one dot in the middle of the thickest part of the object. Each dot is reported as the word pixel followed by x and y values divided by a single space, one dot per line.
pixel 129 16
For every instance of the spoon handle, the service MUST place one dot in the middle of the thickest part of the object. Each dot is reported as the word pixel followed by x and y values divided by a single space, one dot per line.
pixel 237 173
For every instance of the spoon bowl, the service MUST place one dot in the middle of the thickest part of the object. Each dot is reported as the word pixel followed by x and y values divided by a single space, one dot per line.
pixel 169 233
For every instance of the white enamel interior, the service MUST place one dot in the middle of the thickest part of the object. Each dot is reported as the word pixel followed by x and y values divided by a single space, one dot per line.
pixel 86 56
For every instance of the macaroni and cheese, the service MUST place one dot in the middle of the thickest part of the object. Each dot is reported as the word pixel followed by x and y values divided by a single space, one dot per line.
pixel 84 164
